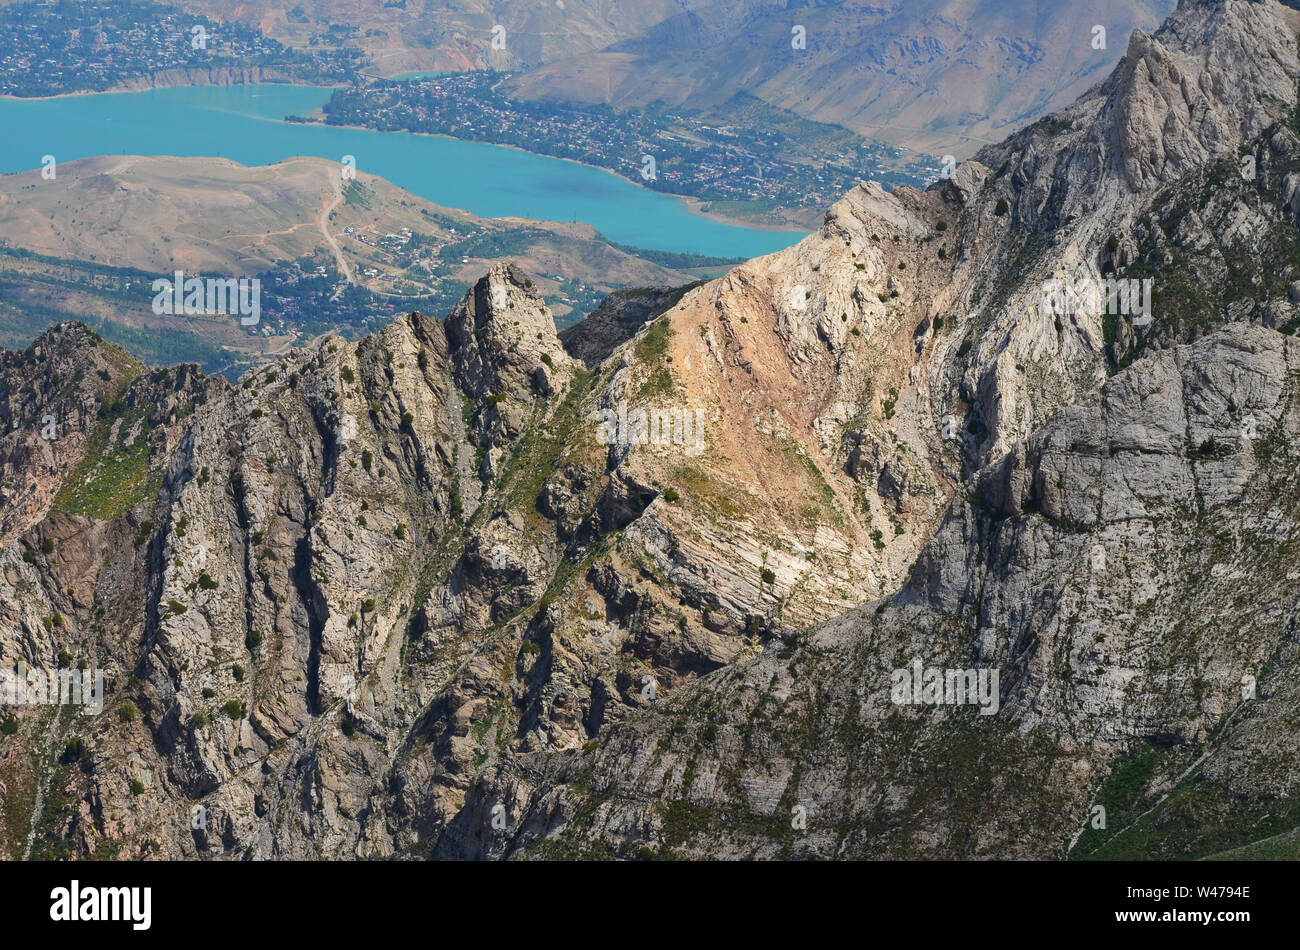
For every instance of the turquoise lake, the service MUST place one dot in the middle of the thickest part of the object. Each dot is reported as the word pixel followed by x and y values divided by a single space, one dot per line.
pixel 246 123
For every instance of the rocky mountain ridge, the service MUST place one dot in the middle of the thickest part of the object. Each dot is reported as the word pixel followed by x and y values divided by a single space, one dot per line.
pixel 1093 566
pixel 461 590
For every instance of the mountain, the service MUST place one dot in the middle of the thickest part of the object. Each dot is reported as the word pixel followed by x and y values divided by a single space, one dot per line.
pixel 1126 583
pixel 442 593
pixel 942 76
pixel 1122 557
pixel 365 549
pixel 411 35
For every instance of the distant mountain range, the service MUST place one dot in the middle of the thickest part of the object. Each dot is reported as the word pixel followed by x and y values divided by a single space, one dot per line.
pixel 943 76
pixel 938 75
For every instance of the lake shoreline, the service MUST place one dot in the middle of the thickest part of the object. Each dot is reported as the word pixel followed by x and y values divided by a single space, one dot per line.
pixel 148 83
pixel 246 122
pixel 693 205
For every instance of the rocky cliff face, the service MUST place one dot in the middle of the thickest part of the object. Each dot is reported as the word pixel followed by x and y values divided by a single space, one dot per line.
pixel 1173 169
pixel 465 589
pixel 1127 571
pixel 327 597
pixel 210 76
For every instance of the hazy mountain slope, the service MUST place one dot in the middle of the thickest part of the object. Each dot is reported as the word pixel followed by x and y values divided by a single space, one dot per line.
pixel 941 75
pixel 938 75
pixel 453 34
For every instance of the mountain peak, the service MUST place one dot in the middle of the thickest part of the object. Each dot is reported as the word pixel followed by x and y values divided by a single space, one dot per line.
pixel 1214 76
pixel 502 337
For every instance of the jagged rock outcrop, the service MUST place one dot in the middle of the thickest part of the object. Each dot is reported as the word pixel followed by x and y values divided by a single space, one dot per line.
pixel 616 320
pixel 326 597
pixel 1094 566
pixel 49 397
pixel 1081 195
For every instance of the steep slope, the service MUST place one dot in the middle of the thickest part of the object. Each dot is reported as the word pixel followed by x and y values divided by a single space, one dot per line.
pixel 615 321
pixel 1128 571
pixel 451 34
pixel 1136 180
pixel 1177 168
pixel 409 557
pixel 50 399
